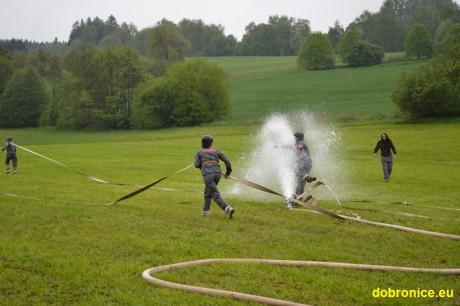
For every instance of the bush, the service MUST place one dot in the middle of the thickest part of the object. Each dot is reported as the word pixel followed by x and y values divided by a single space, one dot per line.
pixel 364 54
pixel 431 91
pixel 316 53
pixel 190 93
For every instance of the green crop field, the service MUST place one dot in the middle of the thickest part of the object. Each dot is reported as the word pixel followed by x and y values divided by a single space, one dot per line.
pixel 61 244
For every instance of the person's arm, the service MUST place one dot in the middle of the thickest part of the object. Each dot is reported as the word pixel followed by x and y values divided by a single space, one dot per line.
pixel 393 149
pixel 377 146
pixel 227 163
pixel 197 162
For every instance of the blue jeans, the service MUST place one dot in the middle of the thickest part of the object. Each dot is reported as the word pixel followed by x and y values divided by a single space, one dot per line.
pixel 387 166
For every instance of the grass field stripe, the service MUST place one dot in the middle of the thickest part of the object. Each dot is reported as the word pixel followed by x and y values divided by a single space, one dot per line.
pixel 76 171
pixel 397 227
pixel 134 193
pixel 437 207
pixel 148 275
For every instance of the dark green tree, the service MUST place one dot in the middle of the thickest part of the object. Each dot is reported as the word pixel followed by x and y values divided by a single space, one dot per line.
pixel 299 33
pixel 419 43
pixel 450 45
pixel 429 16
pixel 201 92
pixel 194 32
pixel 316 53
pixel 23 99
pixel 258 40
pixel 335 34
pixel 282 35
pixel 432 91
pixel 109 77
pixel 206 40
pixel 349 39
pixel 190 93
pixel 153 105
pixel 282 27
pixel 6 68
pixel 364 54
pixel 384 28
pixel 76 108
pixel 167 45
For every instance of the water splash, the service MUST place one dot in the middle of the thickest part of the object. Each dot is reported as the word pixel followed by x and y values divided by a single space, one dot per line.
pixel 273 167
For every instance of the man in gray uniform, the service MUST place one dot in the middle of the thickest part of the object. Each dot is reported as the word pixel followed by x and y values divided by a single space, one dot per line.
pixel 207 159
pixel 10 155
pixel 303 164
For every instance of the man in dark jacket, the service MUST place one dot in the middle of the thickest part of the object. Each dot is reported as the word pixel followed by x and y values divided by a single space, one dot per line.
pixel 386 146
pixel 207 159
pixel 10 155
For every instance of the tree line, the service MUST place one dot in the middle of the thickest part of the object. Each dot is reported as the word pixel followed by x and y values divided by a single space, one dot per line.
pixel 111 76
pixel 280 36
pixel 113 87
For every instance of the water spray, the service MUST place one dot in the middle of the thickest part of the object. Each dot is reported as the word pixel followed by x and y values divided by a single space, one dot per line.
pixel 273 166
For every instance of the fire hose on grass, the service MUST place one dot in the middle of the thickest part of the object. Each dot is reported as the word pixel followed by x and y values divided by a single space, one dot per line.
pixel 148 275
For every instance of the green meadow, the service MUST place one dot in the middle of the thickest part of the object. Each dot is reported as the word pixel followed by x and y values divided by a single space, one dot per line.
pixel 61 244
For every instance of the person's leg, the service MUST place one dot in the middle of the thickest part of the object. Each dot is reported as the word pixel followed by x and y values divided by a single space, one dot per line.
pixel 212 181
pixel 299 183
pixel 386 175
pixel 207 198
pixel 7 163
pixel 15 164
pixel 390 166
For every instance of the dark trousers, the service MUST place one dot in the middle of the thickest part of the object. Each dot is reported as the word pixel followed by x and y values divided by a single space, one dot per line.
pixel 387 167
pixel 211 192
pixel 12 158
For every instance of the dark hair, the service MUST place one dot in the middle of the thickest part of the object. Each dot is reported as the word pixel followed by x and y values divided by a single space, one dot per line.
pixel 386 136
pixel 298 136
pixel 206 141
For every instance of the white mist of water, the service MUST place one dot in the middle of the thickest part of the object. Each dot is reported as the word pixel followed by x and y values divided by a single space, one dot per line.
pixel 269 165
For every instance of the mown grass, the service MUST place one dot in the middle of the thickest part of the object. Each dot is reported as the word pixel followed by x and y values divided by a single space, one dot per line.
pixel 62 245
pixel 261 86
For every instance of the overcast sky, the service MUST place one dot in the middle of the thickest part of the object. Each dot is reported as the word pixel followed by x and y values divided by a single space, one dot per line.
pixel 43 20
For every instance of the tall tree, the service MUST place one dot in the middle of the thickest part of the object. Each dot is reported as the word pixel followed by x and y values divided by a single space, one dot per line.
pixel 450 46
pixel 316 53
pixel 429 16
pixel 349 39
pixel 167 45
pixel 258 40
pixel 282 35
pixel 419 43
pixel 190 93
pixel 6 67
pixel 299 32
pixel 391 30
pixel 335 34
pixel 282 31
pixel 23 99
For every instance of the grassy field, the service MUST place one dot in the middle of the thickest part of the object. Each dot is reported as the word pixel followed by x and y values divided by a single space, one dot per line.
pixel 62 245
pixel 263 85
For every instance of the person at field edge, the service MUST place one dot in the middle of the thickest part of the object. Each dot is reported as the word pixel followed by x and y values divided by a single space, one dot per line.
pixel 10 148
pixel 303 165
pixel 207 160
pixel 385 145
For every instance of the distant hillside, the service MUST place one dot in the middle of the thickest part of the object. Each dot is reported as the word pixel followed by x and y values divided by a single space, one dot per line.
pixel 262 85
